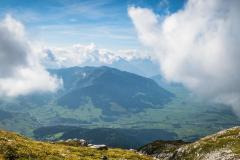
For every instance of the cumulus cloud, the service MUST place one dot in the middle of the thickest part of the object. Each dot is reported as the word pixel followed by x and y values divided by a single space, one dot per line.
pixel 20 68
pixel 197 46
pixel 80 55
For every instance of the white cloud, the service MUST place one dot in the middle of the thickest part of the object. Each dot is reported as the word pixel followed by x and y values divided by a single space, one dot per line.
pixel 197 46
pixel 80 55
pixel 20 68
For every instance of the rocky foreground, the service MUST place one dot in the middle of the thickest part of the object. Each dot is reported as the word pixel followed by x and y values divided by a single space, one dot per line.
pixel 224 145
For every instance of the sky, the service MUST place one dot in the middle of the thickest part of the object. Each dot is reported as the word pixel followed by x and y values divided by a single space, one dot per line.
pixel 39 34
pixel 105 23
pixel 193 42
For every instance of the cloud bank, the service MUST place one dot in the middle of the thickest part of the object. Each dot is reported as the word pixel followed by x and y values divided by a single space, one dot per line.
pixel 197 46
pixel 81 55
pixel 20 68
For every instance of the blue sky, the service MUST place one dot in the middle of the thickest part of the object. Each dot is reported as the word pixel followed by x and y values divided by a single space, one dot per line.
pixel 189 46
pixel 65 22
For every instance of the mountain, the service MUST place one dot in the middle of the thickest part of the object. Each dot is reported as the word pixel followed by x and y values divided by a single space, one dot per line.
pixel 113 91
pixel 160 80
pixel 171 86
pixel 162 149
pixel 22 122
pixel 103 97
pixel 16 147
pixel 224 145
pixel 91 95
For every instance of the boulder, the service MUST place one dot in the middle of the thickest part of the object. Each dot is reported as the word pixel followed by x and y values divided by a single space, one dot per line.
pixel 100 147
pixel 104 158
pixel 83 142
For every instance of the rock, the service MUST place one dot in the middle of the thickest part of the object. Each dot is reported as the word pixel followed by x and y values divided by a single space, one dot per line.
pixel 104 158
pixel 99 147
pixel 83 142
pixel 74 142
pixel 162 149
pixel 89 145
pixel 68 140
pixel 222 154
pixel 224 145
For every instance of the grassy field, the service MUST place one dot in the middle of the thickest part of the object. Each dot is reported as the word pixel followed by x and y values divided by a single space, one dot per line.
pixel 186 115
pixel 14 146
